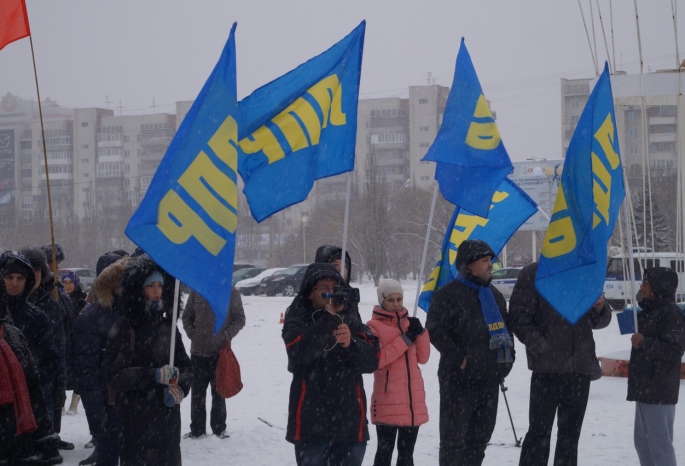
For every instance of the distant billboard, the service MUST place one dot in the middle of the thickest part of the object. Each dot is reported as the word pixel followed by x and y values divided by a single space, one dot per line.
pixel 7 185
pixel 540 180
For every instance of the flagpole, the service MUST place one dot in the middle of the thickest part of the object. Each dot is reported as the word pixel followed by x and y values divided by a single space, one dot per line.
pixel 174 317
pixel 425 249
pixel 47 174
pixel 347 217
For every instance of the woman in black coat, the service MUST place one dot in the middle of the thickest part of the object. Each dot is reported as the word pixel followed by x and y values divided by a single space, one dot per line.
pixel 148 391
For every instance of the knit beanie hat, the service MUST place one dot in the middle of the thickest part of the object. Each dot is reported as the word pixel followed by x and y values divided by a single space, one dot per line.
pixel 155 276
pixel 664 281
pixel 386 287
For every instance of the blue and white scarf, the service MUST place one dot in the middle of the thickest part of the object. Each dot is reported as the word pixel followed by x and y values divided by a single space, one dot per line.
pixel 499 335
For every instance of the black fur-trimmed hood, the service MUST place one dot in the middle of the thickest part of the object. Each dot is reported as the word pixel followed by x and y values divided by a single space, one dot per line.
pixel 133 295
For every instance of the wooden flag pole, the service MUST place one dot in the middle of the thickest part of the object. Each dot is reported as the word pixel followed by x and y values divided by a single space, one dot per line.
pixel 347 216
pixel 47 171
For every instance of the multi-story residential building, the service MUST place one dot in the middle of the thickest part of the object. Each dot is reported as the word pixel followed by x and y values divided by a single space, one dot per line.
pixel 574 96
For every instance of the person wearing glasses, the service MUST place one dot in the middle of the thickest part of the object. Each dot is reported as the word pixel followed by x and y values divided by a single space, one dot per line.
pixel 563 361
pixel 654 369
pixel 328 351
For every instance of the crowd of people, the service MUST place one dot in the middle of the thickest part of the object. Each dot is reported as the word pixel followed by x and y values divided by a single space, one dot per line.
pixel 112 348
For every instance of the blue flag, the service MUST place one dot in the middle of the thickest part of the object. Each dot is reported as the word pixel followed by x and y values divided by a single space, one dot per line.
pixel 471 158
pixel 573 262
pixel 510 208
pixel 300 128
pixel 187 220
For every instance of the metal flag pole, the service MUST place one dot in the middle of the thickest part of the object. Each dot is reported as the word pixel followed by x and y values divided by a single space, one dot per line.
pixel 47 171
pixel 174 317
pixel 504 392
pixel 347 217
pixel 425 249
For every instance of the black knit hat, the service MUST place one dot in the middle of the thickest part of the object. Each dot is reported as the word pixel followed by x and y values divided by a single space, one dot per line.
pixel 16 262
pixel 60 253
pixel 664 281
pixel 470 251
pixel 314 273
pixel 37 259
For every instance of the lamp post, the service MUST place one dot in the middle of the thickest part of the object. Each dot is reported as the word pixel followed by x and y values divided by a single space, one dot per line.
pixel 304 239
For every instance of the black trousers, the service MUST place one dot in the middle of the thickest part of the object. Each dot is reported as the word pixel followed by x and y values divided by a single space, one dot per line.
pixel 204 373
pixel 406 439
pixel 564 395
pixel 468 411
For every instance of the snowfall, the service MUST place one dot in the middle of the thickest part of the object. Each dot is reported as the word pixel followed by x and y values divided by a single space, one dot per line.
pixel 606 439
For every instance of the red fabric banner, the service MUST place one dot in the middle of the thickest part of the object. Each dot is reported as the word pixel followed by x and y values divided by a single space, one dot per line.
pixel 14 21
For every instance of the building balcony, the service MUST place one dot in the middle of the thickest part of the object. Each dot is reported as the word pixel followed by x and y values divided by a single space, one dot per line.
pixel 663 137
pixel 663 120
pixel 155 142
pixel 110 158
pixel 58 176
pixel 110 144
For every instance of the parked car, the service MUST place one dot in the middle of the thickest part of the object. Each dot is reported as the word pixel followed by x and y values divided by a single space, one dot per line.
pixel 86 276
pixel 287 282
pixel 250 286
pixel 242 274
pixel 242 265
pixel 505 279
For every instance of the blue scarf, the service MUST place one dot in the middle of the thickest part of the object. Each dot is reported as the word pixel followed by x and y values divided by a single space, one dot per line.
pixel 499 335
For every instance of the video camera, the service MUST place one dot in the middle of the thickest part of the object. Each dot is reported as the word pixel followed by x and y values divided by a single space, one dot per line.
pixel 342 295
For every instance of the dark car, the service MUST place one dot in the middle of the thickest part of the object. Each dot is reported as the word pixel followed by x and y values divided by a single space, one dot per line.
pixel 248 272
pixel 287 282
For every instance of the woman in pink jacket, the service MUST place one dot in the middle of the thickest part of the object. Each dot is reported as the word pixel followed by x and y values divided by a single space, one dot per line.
pixel 398 403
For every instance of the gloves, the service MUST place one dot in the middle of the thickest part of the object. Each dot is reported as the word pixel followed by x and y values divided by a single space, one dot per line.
pixel 166 375
pixel 59 397
pixel 173 395
pixel 415 329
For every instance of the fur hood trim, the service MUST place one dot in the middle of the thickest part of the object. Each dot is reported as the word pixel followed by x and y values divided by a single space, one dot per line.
pixel 110 280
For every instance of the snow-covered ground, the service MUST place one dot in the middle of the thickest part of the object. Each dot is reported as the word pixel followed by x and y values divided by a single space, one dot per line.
pixel 607 436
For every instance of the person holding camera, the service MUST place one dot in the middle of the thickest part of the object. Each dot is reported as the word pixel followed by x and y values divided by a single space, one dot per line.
pixel 328 351
pixel 398 402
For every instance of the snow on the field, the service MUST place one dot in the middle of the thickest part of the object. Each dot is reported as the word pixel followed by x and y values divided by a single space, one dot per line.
pixel 607 436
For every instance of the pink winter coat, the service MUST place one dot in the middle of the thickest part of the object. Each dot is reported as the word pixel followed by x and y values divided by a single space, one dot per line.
pixel 399 398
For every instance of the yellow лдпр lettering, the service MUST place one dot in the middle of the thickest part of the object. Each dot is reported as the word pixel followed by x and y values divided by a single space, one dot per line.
pixel 484 136
pixel 561 237
pixel 602 198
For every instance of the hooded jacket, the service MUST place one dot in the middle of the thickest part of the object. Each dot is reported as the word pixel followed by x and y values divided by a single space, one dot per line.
pixel 553 345
pixel 327 401
pixel 138 344
pixel 457 326
pixel 32 322
pixel 399 397
pixel 654 368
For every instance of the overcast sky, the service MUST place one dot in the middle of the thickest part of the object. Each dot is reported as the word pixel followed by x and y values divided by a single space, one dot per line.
pixel 135 51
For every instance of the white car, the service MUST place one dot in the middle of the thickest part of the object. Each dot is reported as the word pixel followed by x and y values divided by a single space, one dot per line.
pixel 505 279
pixel 251 285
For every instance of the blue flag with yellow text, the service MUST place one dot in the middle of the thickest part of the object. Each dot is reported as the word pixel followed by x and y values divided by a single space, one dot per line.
pixel 510 208
pixel 187 220
pixel 471 158
pixel 300 128
pixel 573 262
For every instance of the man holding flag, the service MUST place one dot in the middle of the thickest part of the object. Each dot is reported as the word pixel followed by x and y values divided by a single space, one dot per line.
pixel 467 325
pixel 557 302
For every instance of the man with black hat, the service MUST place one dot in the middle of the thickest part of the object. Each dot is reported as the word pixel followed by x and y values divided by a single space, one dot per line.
pixel 563 360
pixel 328 351
pixel 654 370
pixel 466 321
pixel 332 254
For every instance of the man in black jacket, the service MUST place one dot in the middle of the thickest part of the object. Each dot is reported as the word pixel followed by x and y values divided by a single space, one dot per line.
pixel 654 370
pixel 562 358
pixel 328 351
pixel 466 322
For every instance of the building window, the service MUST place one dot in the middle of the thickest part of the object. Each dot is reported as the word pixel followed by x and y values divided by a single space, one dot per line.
pixel 425 178
pixel 127 153
pixel 632 115
pixel 423 129
pixel 632 134
pixel 84 124
pixel 127 168
pixel 388 138
pixel 60 155
pixel 633 150
pixel 105 170
pixel 85 160
pixel 145 182
pixel 84 146
pixel 126 139
pixel 424 144
pixel 85 175
pixel 107 151
pixel 574 119
pixel 423 101
pixel 574 103
pixel 26 202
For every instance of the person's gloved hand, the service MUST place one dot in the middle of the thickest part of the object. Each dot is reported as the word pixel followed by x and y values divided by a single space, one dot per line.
pixel 166 375
pixel 59 397
pixel 415 329
pixel 173 395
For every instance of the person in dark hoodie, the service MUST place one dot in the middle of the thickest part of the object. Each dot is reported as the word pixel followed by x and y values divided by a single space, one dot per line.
pixel 562 358
pixel 654 369
pixel 148 390
pixel 91 332
pixel 332 254
pixel 41 297
pixel 328 351
pixel 25 425
pixel 467 325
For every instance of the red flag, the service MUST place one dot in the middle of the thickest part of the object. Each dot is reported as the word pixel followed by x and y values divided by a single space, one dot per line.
pixel 14 22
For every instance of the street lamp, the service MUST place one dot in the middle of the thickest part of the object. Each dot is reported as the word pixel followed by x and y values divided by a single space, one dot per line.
pixel 304 239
